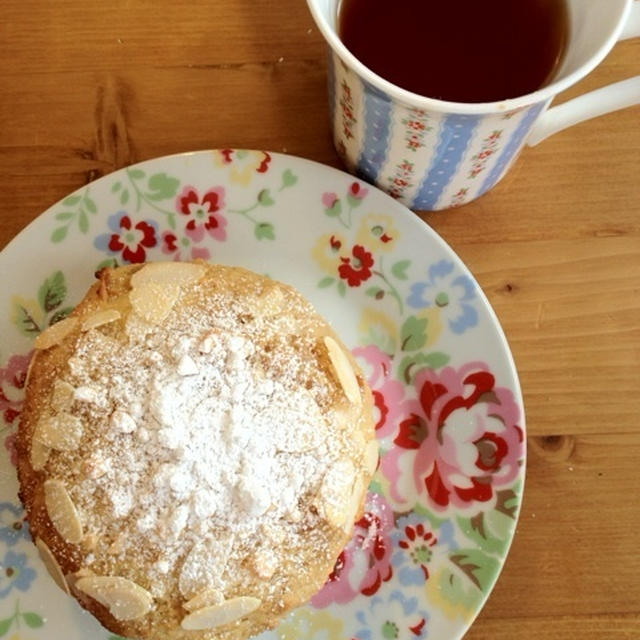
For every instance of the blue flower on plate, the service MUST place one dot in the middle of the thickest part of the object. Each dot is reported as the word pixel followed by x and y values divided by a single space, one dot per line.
pixel 419 547
pixel 449 291
pixel 14 573
pixel 13 527
pixel 394 617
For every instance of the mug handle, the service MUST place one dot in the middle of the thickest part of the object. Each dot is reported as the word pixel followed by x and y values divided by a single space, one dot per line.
pixel 619 95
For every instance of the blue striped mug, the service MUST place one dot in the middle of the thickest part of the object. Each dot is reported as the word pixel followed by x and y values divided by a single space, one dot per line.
pixel 433 154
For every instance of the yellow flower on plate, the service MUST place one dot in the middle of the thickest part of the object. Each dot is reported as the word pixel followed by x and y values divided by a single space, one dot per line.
pixel 377 233
pixel 243 165
pixel 326 252
pixel 433 316
pixel 376 327
pixel 311 624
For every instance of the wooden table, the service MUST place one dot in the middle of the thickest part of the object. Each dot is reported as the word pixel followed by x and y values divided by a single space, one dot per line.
pixel 88 87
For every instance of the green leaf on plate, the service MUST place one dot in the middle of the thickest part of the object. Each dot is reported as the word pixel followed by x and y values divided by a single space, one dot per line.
pixel 83 222
pixel 60 314
pixel 335 210
pixel 116 186
pixel 26 316
pixel 375 292
pixel 137 174
pixel 326 282
pixel 414 333
pixel 124 197
pixel 342 288
pixel 59 234
pixel 490 531
pixel 5 625
pixel 89 204
pixel 288 178
pixel 109 262
pixel 477 566
pixel 52 292
pixel 264 230
pixel 33 620
pixel 162 186
pixel 71 201
pixel 399 269
pixel 171 221
pixel 265 199
pixel 412 364
pixel 64 215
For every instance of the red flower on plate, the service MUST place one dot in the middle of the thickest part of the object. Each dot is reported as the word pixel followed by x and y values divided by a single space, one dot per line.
pixel 203 213
pixel 356 269
pixel 365 562
pixel 132 239
pixel 461 441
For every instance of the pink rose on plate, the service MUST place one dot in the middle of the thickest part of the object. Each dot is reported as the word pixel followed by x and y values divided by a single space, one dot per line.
pixel 365 562
pixel 460 442
pixel 388 393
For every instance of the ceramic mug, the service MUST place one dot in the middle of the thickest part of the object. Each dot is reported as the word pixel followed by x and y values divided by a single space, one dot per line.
pixel 433 154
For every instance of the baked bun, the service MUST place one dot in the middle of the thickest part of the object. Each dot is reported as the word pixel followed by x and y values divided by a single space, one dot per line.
pixel 195 447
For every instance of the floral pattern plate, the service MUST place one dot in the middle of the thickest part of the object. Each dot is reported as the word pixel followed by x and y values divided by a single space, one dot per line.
pixel 442 508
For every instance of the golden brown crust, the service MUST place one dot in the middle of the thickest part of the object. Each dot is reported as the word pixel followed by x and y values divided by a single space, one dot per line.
pixel 288 336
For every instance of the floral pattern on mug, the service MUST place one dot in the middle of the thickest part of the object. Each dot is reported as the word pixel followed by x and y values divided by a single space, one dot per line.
pixel 416 127
pixel 480 159
pixel 401 180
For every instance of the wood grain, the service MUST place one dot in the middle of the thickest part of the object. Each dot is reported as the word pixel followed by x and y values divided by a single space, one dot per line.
pixel 86 88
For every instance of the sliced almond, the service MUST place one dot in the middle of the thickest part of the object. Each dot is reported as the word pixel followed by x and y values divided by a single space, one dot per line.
pixel 355 504
pixel 344 370
pixel 206 598
pixel 52 565
pixel 371 456
pixel 39 455
pixel 29 369
pixel 62 432
pixel 125 599
pixel 153 302
pixel 55 334
pixel 62 511
pixel 220 614
pixel 335 492
pixel 204 565
pixel 100 318
pixel 168 273
pixel 85 572
pixel 62 395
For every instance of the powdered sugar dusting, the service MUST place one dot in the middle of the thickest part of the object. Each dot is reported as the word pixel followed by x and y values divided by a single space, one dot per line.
pixel 202 446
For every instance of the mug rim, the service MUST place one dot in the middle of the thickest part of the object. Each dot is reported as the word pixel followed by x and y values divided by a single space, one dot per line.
pixel 498 106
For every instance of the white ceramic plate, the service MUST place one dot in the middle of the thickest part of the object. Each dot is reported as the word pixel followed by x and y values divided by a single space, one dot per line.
pixel 443 506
